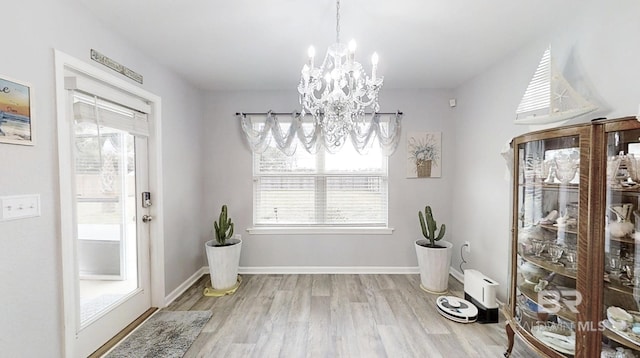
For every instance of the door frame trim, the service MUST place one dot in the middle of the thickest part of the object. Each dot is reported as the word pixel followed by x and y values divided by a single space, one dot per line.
pixel 65 233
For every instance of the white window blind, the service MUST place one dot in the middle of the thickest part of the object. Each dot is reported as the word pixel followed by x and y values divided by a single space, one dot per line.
pixel 342 189
pixel 109 114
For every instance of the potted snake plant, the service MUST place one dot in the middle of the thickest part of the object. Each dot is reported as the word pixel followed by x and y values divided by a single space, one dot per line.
pixel 223 255
pixel 434 254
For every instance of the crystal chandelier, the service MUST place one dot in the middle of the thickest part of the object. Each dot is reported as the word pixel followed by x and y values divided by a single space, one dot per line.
pixel 338 92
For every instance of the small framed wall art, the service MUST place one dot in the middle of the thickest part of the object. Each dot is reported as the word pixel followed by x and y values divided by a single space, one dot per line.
pixel 424 151
pixel 16 122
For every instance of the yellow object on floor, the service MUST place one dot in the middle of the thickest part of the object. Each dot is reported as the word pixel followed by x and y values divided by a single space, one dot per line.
pixel 211 292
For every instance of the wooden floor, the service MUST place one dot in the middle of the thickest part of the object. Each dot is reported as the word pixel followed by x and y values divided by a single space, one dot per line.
pixel 336 316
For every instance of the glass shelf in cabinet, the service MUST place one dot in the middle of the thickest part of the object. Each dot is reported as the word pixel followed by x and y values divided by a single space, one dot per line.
pixel 549 266
pixel 569 229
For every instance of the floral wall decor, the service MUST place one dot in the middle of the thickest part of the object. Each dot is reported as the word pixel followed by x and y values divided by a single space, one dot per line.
pixel 424 151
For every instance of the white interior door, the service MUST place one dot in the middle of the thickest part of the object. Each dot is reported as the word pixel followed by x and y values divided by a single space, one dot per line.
pixel 110 175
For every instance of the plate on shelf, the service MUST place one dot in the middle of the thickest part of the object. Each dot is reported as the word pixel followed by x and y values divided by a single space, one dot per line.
pixel 626 335
pixel 556 337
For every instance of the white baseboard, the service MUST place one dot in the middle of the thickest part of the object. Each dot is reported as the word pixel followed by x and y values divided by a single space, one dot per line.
pixel 184 286
pixel 456 274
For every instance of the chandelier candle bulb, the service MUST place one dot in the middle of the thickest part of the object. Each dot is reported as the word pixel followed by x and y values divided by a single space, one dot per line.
pixel 352 51
pixel 312 53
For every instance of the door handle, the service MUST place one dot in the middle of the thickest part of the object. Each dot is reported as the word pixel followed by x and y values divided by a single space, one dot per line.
pixel 147 218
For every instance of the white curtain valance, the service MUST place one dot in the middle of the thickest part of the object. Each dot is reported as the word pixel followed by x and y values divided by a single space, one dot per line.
pixel 259 133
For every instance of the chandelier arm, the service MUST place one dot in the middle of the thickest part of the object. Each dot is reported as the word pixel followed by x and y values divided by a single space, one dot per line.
pixel 364 103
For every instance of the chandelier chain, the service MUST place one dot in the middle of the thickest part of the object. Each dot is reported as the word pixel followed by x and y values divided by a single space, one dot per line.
pixel 337 21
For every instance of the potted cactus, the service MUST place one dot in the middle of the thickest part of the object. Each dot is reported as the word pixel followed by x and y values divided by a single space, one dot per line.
pixel 223 255
pixel 434 254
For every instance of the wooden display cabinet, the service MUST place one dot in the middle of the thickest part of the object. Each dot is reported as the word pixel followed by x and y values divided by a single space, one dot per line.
pixel 575 225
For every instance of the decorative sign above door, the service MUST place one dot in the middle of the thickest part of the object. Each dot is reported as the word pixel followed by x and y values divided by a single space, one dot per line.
pixel 100 58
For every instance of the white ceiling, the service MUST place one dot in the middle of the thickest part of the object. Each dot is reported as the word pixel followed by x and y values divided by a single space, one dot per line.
pixel 262 45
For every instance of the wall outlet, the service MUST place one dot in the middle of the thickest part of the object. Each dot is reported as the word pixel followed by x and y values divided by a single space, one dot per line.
pixel 467 246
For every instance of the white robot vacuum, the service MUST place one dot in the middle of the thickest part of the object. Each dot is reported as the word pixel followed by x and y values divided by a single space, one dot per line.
pixel 457 309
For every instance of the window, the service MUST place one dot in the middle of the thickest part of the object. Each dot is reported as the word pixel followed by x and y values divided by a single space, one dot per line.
pixel 344 189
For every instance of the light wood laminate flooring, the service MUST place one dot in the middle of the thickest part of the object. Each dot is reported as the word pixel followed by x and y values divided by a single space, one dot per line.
pixel 342 315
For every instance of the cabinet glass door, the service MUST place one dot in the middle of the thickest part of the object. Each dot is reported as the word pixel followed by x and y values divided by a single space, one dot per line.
pixel 621 320
pixel 548 203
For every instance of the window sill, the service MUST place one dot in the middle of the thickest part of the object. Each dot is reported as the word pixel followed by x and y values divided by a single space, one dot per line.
pixel 320 230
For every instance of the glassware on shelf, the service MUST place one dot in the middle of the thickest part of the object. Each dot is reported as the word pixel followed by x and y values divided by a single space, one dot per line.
pixel 633 167
pixel 619 352
pixel 540 170
pixel 630 272
pixel 614 263
pixel 619 169
pixel 538 247
pixel 566 166
pixel 555 252
pixel 571 256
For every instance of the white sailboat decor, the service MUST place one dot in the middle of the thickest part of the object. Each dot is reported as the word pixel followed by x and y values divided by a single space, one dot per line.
pixel 549 97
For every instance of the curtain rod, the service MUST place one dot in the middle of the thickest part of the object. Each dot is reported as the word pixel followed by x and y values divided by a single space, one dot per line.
pixel 298 113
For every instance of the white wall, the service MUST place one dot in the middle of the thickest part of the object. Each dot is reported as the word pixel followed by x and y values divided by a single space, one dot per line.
pixel 229 172
pixel 30 267
pixel 598 54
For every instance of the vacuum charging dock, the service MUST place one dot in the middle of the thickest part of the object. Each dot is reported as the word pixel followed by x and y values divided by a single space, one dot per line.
pixel 481 291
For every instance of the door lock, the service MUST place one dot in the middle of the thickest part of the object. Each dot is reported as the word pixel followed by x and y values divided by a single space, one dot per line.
pixel 147 218
pixel 146 199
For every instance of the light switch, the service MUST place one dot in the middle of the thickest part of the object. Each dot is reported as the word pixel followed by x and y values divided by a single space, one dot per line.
pixel 19 206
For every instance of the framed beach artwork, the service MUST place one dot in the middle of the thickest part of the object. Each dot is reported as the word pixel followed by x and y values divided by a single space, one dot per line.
pixel 16 126
pixel 424 150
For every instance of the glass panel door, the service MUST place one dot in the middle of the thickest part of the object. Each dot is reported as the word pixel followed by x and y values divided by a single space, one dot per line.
pixel 621 324
pixel 112 283
pixel 547 235
pixel 105 178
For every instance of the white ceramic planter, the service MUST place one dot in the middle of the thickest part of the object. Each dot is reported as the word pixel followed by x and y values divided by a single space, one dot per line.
pixel 434 266
pixel 223 263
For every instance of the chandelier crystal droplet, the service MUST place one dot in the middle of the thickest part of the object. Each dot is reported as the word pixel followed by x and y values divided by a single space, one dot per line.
pixel 338 92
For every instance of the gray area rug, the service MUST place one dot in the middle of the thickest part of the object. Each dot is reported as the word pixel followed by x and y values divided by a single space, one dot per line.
pixel 166 334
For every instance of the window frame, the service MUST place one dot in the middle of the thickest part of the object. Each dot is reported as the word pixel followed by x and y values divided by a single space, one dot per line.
pixel 320 191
